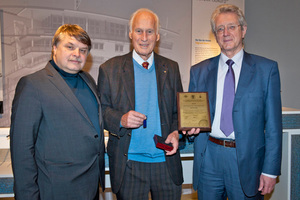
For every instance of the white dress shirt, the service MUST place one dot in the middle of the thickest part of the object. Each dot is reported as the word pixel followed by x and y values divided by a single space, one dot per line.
pixel 222 70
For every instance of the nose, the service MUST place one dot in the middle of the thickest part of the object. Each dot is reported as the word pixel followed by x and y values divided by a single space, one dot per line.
pixel 144 36
pixel 225 32
pixel 76 52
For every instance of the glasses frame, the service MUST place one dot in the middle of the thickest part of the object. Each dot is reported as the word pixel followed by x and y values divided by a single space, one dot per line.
pixel 230 28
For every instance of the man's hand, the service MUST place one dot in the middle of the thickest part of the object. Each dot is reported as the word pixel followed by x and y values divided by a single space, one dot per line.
pixel 193 131
pixel 266 184
pixel 173 138
pixel 132 119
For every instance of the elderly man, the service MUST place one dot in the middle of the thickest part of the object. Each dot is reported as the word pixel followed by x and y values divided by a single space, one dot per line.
pixel 241 156
pixel 57 142
pixel 139 87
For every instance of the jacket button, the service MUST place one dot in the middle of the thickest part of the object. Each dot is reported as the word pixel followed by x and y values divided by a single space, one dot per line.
pixel 129 134
pixel 95 136
pixel 125 154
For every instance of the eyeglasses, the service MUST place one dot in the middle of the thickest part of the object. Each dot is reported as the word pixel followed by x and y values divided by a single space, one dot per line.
pixel 230 28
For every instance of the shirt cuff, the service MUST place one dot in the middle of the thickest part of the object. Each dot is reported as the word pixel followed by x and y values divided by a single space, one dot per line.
pixel 269 175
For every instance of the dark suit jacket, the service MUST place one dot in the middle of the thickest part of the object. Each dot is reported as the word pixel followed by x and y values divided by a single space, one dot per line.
pixel 56 151
pixel 116 86
pixel 256 117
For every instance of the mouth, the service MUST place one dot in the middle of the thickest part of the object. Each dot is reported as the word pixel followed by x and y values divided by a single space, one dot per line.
pixel 75 61
pixel 144 46
pixel 227 40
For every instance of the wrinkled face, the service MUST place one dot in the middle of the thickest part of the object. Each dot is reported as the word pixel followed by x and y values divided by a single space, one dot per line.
pixel 143 35
pixel 229 33
pixel 70 55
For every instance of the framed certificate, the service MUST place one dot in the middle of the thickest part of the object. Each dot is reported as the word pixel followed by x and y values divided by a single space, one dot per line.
pixel 193 111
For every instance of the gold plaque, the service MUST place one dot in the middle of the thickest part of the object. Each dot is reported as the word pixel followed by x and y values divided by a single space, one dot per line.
pixel 193 111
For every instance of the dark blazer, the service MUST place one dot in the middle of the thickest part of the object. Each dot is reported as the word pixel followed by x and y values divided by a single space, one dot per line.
pixel 56 151
pixel 257 117
pixel 116 86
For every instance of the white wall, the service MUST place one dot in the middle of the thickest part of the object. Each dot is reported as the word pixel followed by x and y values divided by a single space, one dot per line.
pixel 273 32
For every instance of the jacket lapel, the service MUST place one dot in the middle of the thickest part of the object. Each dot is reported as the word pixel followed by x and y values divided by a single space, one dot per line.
pixel 128 79
pixel 161 73
pixel 92 86
pixel 246 75
pixel 211 83
pixel 63 87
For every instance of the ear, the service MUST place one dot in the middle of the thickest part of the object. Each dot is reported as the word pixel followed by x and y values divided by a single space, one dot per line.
pixel 130 35
pixel 244 31
pixel 157 37
pixel 54 50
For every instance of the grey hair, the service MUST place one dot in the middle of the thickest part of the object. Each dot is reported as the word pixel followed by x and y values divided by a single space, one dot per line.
pixel 227 8
pixel 156 19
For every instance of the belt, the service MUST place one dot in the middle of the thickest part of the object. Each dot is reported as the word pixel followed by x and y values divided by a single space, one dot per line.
pixel 225 143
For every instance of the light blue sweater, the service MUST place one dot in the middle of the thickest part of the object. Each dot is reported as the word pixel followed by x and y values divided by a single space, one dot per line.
pixel 142 147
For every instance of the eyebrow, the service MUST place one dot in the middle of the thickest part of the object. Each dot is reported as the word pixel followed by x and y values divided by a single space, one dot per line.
pixel 231 23
pixel 70 43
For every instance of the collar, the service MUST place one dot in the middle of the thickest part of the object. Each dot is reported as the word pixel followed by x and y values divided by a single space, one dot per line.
pixel 237 58
pixel 139 60
pixel 62 72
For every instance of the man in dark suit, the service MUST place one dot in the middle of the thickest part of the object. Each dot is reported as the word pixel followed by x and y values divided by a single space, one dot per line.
pixel 57 142
pixel 131 94
pixel 241 156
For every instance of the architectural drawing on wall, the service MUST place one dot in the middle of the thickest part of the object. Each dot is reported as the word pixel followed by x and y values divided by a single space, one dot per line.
pixel 29 31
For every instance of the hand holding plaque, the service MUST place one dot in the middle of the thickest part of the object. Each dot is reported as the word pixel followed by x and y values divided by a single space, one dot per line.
pixel 193 111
